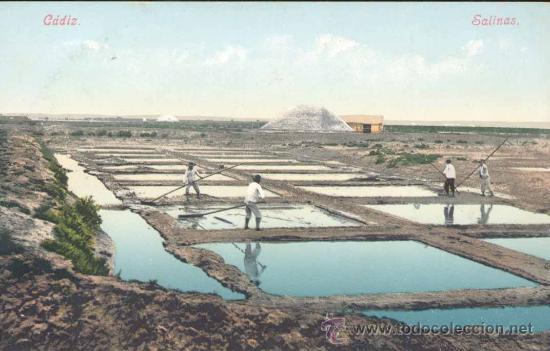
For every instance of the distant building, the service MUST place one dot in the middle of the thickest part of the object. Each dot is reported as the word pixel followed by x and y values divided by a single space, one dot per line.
pixel 365 123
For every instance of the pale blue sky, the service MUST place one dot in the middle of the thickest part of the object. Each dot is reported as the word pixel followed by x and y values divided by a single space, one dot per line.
pixel 403 60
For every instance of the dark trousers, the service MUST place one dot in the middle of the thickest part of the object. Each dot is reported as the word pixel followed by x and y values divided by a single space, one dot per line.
pixel 450 184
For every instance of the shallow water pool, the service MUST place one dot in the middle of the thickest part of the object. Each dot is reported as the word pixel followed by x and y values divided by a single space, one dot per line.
pixel 312 176
pixel 371 191
pixel 212 190
pixel 251 160
pixel 539 247
pixel 140 255
pixel 463 214
pixel 167 177
pixel 317 268
pixel 274 216
pixel 538 316
pixel 532 169
pixel 117 151
pixel 284 167
pixel 128 155
pixel 146 161
pixel 83 184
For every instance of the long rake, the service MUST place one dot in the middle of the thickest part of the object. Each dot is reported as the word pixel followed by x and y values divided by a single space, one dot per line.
pixel 152 202
pixel 485 159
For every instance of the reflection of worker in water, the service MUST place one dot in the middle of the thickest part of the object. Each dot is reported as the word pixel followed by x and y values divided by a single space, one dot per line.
pixel 190 179
pixel 251 262
pixel 254 195
pixel 449 212
pixel 484 216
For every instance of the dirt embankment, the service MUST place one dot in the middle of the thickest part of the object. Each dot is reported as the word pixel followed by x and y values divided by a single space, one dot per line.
pixel 22 190
pixel 47 307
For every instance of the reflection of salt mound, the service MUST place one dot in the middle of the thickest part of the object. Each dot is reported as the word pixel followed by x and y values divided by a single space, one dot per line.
pixel 308 118
pixel 167 118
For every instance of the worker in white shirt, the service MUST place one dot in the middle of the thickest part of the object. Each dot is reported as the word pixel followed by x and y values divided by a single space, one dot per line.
pixel 254 194
pixel 190 179
pixel 485 179
pixel 450 176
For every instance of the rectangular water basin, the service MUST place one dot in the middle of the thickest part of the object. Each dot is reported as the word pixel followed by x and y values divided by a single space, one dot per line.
pixel 537 316
pixel 539 247
pixel 138 155
pixel 119 168
pixel 336 177
pixel 273 216
pixel 83 184
pixel 318 268
pixel 230 155
pixel 441 214
pixel 371 191
pixel 212 190
pixel 155 167
pixel 140 255
pixel 167 177
pixel 145 161
pixel 532 169
pixel 118 151
pixel 478 191
pixel 284 167
pixel 251 160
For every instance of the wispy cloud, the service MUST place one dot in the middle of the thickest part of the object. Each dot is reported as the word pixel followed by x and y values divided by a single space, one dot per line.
pixel 228 54
pixel 473 47
pixel 333 45
pixel 94 45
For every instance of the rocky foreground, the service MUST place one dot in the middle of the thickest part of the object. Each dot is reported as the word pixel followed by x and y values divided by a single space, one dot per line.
pixel 46 305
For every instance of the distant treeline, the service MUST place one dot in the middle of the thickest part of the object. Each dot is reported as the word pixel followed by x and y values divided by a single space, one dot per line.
pixel 460 129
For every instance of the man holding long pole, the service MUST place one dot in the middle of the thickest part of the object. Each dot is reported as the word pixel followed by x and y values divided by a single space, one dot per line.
pixel 254 194
pixel 484 178
pixel 485 160
pixel 450 176
pixel 190 179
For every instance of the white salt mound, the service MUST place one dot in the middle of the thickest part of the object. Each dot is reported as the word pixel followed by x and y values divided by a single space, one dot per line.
pixel 309 118
pixel 167 118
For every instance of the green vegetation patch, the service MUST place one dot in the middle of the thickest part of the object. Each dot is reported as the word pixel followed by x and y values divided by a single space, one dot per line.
pixel 58 171
pixel 75 231
pixel 124 134
pixel 76 223
pixel 409 159
pixel 77 133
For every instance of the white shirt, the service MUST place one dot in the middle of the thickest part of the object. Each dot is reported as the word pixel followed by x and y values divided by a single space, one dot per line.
pixel 254 193
pixel 484 171
pixel 191 174
pixel 449 171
